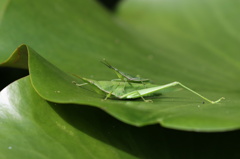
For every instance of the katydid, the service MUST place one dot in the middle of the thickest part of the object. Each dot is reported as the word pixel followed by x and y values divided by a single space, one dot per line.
pixel 123 90
pixel 124 76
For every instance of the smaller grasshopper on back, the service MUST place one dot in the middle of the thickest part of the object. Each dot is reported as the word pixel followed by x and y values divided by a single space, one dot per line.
pixel 124 76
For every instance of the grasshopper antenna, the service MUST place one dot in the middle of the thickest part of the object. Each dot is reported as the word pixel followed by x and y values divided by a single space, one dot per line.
pixel 77 76
pixel 104 61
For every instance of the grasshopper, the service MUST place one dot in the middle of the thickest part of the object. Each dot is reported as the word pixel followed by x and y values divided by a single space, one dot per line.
pixel 124 76
pixel 123 90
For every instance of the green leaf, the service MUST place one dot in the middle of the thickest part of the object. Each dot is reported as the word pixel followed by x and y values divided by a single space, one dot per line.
pixel 174 110
pixel 195 43
pixel 34 128
pixel 164 54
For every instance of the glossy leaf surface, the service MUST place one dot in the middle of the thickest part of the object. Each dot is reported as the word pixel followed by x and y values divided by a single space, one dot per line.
pixel 164 54
pixel 194 42
pixel 31 127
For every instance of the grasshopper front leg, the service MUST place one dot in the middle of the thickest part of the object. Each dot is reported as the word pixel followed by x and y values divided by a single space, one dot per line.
pixel 79 85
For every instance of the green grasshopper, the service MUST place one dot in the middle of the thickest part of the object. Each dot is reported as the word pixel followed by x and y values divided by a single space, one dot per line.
pixel 123 90
pixel 124 76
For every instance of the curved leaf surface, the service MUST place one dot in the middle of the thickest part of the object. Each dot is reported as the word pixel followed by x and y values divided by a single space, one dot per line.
pixel 175 110
pixel 34 128
pixel 31 127
pixel 77 44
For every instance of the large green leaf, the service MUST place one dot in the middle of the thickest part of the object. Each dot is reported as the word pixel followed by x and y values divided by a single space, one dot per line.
pixel 180 110
pixel 183 113
pixel 192 42
pixel 34 128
